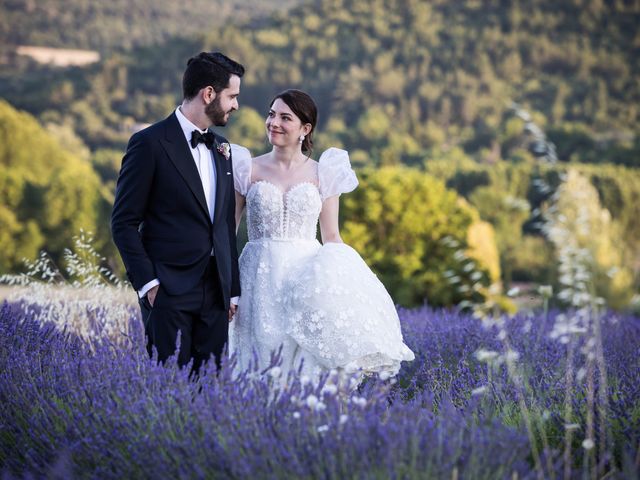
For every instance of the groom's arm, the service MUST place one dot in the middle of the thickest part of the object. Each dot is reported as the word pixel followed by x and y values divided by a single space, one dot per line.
pixel 132 195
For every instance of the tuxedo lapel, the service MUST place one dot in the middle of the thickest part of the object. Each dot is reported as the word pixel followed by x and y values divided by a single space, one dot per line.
pixel 219 162
pixel 178 151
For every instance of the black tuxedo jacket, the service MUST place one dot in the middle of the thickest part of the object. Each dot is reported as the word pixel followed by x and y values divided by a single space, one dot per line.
pixel 160 221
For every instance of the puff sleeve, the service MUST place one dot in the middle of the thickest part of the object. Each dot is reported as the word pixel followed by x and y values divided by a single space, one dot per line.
pixel 335 174
pixel 241 168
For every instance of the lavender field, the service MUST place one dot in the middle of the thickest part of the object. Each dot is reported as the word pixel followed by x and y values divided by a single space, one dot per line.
pixel 534 396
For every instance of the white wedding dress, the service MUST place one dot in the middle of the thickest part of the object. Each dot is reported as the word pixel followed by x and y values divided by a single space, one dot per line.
pixel 320 303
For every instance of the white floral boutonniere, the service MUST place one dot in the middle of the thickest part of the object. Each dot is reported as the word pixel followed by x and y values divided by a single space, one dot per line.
pixel 225 149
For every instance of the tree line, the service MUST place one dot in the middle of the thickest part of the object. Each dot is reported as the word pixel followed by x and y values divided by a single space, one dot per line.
pixel 118 25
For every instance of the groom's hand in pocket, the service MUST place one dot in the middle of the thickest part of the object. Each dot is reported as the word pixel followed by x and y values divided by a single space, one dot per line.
pixel 151 295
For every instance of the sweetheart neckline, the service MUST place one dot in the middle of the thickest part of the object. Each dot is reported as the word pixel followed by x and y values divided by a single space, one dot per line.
pixel 284 193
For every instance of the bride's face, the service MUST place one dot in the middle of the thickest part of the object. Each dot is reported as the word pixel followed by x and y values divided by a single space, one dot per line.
pixel 283 126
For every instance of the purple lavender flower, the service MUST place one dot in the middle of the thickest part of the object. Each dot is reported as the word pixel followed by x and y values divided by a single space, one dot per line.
pixel 104 410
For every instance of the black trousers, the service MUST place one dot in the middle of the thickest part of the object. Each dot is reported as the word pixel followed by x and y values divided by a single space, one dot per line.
pixel 199 315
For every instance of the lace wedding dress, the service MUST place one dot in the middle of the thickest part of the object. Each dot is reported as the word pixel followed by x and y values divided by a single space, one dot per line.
pixel 320 303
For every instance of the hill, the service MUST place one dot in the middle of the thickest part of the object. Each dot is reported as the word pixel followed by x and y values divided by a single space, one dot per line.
pixel 119 24
pixel 394 77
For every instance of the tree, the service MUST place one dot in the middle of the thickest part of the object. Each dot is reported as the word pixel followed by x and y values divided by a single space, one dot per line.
pixel 247 128
pixel 46 193
pixel 413 232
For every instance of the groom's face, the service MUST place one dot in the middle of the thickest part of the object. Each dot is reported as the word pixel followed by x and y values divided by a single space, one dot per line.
pixel 226 101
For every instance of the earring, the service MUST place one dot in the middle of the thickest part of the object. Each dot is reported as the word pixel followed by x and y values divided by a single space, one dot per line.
pixel 301 138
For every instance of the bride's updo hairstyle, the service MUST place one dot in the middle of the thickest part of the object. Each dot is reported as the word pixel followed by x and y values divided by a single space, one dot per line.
pixel 305 109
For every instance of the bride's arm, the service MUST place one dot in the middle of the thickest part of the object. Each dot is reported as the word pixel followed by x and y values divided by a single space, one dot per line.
pixel 240 203
pixel 329 228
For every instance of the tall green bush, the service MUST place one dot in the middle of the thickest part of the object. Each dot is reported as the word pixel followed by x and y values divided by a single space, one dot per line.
pixel 414 233
pixel 47 194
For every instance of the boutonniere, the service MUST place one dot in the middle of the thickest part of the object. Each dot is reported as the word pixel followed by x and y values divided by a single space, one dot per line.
pixel 224 149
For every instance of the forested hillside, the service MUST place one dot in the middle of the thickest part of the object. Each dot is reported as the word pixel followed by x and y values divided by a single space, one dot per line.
pixel 394 77
pixel 397 76
pixel 119 24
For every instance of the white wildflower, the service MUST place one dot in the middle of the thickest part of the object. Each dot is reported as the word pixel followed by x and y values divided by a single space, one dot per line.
pixel 588 444
pixel 545 291
pixel 576 329
pixel 359 401
pixel 353 383
pixel 513 292
pixel 330 389
pixel 465 304
pixel 511 355
pixel 459 255
pixel 312 401
pixel 479 390
pixel 475 276
pixel 483 355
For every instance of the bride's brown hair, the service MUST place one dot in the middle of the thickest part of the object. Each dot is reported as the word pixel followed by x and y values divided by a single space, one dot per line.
pixel 305 109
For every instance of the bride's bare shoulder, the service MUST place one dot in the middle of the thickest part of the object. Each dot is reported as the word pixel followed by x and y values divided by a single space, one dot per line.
pixel 314 165
pixel 261 158
pixel 261 161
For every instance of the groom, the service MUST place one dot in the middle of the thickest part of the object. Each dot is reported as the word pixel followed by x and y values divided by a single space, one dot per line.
pixel 173 217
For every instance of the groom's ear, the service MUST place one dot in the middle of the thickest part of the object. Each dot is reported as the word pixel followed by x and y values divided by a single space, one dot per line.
pixel 208 94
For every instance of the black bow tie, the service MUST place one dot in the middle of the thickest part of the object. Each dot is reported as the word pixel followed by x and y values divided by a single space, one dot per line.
pixel 207 138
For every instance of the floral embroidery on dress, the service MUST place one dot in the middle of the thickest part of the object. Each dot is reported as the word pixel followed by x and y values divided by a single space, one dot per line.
pixel 321 305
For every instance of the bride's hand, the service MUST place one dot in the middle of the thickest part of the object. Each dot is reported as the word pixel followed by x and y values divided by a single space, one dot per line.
pixel 232 311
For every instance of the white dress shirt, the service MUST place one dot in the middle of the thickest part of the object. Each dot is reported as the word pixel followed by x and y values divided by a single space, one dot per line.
pixel 203 158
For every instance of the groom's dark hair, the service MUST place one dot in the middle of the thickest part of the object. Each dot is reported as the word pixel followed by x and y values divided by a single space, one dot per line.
pixel 208 69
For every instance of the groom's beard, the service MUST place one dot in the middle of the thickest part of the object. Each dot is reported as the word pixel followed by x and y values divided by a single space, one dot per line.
pixel 216 114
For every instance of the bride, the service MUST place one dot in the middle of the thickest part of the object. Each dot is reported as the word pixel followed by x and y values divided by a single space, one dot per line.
pixel 320 304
